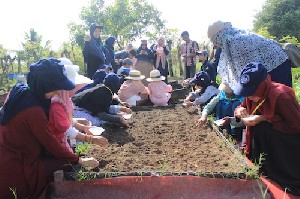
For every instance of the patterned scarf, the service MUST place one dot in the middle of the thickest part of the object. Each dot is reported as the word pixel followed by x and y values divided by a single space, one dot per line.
pixel 241 47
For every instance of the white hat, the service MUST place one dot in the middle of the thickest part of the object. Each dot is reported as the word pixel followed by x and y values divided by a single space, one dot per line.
pixel 216 27
pixel 72 72
pixel 135 75
pixel 155 76
pixel 225 87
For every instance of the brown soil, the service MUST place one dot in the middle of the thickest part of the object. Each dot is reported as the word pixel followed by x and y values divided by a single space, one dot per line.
pixel 164 140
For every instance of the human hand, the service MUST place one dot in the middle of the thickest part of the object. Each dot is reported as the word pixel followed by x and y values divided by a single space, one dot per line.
pixel 126 104
pixel 253 120
pixel 83 121
pixel 88 162
pixel 87 37
pixel 127 110
pixel 99 140
pixel 241 112
pixel 123 121
pixel 224 121
pixel 187 103
pixel 201 121
pixel 86 129
pixel 185 82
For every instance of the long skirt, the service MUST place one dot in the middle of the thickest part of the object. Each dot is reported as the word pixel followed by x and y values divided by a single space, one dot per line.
pixel 145 68
pixel 282 73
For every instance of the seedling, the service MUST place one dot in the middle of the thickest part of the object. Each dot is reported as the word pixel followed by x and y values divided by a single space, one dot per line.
pixel 82 148
pixel 14 191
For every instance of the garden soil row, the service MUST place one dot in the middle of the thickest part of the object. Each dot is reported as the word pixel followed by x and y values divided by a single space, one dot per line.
pixel 164 140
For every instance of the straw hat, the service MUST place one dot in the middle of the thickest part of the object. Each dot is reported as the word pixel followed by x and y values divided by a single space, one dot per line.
pixel 135 75
pixel 216 27
pixel 155 76
pixel 225 87
pixel 72 72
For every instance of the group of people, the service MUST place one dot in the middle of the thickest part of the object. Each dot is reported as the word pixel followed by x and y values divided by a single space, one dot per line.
pixel 101 57
pixel 37 122
pixel 258 70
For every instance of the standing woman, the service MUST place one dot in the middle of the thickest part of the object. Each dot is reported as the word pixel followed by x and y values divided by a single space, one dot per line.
pixel 241 47
pixel 161 51
pixel 144 60
pixel 95 55
pixel 25 136
pixel 132 56
pixel 109 45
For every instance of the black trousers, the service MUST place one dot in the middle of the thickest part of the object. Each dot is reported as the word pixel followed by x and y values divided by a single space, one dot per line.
pixel 282 155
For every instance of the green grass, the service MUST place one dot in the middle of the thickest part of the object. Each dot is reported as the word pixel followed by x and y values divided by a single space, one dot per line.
pixel 296 82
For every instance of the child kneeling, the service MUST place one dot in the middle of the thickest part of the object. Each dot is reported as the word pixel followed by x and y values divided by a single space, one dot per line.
pixel 159 91
pixel 98 100
pixel 133 90
pixel 205 91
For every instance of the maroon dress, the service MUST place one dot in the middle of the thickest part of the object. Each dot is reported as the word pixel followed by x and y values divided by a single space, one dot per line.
pixel 23 166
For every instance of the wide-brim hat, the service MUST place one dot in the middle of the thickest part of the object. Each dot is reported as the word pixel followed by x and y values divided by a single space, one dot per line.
pixel 72 72
pixel 135 75
pixel 155 76
pixel 216 27
pixel 225 87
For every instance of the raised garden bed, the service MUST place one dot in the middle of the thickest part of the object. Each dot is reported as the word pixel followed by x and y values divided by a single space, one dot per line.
pixel 165 141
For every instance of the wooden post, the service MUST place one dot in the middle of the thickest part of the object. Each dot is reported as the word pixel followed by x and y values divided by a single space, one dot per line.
pixel 179 60
pixel 19 66
pixel 170 58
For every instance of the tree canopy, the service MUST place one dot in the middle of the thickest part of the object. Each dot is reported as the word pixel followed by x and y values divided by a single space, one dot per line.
pixel 126 20
pixel 280 18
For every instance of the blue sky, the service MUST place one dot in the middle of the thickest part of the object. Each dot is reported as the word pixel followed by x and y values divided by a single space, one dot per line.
pixel 50 17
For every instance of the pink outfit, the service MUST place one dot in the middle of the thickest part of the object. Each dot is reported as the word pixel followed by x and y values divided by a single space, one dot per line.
pixel 60 116
pixel 130 88
pixel 161 56
pixel 159 93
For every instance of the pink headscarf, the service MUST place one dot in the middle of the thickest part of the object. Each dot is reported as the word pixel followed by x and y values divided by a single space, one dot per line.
pixel 64 98
pixel 161 56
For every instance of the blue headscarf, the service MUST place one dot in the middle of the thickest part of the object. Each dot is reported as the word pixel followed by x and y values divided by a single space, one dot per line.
pixel 110 42
pixel 45 76
pixel 109 45
pixel 96 47
pixel 20 98
pixel 93 27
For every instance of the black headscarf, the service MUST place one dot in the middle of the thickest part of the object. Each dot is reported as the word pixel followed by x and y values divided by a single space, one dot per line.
pixel 112 81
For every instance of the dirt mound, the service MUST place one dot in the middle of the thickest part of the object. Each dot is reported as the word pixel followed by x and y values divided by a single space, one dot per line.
pixel 164 140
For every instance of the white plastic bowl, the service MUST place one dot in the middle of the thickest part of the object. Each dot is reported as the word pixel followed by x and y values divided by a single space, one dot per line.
pixel 97 130
pixel 250 118
pixel 218 122
pixel 127 116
